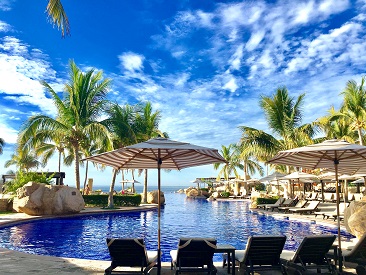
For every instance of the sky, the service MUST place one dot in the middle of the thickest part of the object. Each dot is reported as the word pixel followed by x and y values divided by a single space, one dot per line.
pixel 203 64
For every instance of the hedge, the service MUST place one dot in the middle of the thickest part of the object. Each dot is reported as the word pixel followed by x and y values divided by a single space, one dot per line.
pixel 118 200
pixel 266 200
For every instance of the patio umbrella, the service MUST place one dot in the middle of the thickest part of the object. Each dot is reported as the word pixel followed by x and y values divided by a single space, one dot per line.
pixel 158 153
pixel 276 176
pixel 299 175
pixel 335 155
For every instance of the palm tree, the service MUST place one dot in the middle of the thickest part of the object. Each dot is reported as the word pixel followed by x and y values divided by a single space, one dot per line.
pixel 57 15
pixel 335 125
pixel 230 154
pixel 120 123
pixel 24 161
pixel 283 114
pixel 78 114
pixel 146 127
pixel 2 143
pixel 354 106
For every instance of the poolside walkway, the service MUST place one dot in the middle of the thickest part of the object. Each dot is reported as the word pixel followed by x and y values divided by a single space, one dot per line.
pixel 14 262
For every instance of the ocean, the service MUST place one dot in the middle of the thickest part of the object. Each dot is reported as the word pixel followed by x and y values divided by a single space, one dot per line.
pixel 139 187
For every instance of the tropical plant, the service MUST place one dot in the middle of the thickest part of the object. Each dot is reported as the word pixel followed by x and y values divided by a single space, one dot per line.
pixel 146 127
pixel 23 178
pixel 78 114
pixel 354 106
pixel 57 15
pixel 120 123
pixel 336 126
pixel 24 161
pixel 229 153
pixel 283 115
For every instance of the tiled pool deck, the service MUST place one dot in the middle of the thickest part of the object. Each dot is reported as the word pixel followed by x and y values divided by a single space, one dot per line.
pixel 14 262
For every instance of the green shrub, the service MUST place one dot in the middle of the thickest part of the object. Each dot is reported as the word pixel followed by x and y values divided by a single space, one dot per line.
pixel 118 200
pixel 22 178
pixel 225 194
pixel 266 200
pixel 204 189
pixel 260 187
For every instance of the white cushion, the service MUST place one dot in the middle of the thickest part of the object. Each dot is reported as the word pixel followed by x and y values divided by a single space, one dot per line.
pixel 152 255
pixel 287 255
pixel 173 254
pixel 239 255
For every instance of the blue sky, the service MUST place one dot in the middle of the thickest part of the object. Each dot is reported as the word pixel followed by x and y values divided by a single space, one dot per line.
pixel 203 64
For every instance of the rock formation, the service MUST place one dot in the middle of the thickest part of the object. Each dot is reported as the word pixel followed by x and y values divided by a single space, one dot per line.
pixel 152 197
pixel 355 218
pixel 41 199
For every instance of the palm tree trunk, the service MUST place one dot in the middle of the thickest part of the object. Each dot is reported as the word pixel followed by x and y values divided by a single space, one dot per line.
pixel 59 161
pixel 245 178
pixel 145 187
pixel 86 176
pixel 77 171
pixel 360 136
pixel 133 181
pixel 111 189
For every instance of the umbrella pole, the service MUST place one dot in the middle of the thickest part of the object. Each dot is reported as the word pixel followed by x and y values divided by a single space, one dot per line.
pixel 159 249
pixel 340 264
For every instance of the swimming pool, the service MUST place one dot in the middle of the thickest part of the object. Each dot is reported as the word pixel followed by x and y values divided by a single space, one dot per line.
pixel 230 222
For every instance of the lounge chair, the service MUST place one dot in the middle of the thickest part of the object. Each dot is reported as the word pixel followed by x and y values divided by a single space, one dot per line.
pixel 130 253
pixel 194 255
pixel 329 197
pixel 310 255
pixel 277 203
pixel 286 203
pixel 312 196
pixel 309 208
pixel 355 257
pixel 299 204
pixel 342 207
pixel 261 253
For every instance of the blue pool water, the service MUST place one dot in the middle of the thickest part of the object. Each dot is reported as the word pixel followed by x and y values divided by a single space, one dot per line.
pixel 230 222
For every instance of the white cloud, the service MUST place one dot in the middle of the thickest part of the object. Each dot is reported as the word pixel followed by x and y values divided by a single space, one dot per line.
pixel 20 73
pixel 231 85
pixel 4 27
pixel 131 61
pixel 6 5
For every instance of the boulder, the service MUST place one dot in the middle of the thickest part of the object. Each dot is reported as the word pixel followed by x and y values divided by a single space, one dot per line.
pixel 40 199
pixel 355 218
pixel 192 192
pixel 152 197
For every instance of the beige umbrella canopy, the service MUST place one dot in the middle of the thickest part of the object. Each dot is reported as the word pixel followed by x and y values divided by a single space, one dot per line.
pixel 299 175
pixel 276 176
pixel 335 155
pixel 158 153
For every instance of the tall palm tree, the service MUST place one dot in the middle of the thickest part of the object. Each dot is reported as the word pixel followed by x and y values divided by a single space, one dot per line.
pixel 120 123
pixel 354 106
pixel 78 114
pixel 284 115
pixel 146 127
pixel 2 144
pixel 57 15
pixel 230 154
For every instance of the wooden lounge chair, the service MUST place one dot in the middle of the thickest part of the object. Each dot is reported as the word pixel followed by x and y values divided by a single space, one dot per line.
pixel 329 197
pixel 310 255
pixel 130 253
pixel 277 203
pixel 299 204
pixel 194 255
pixel 310 208
pixel 261 253
pixel 342 207
pixel 286 202
pixel 356 257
